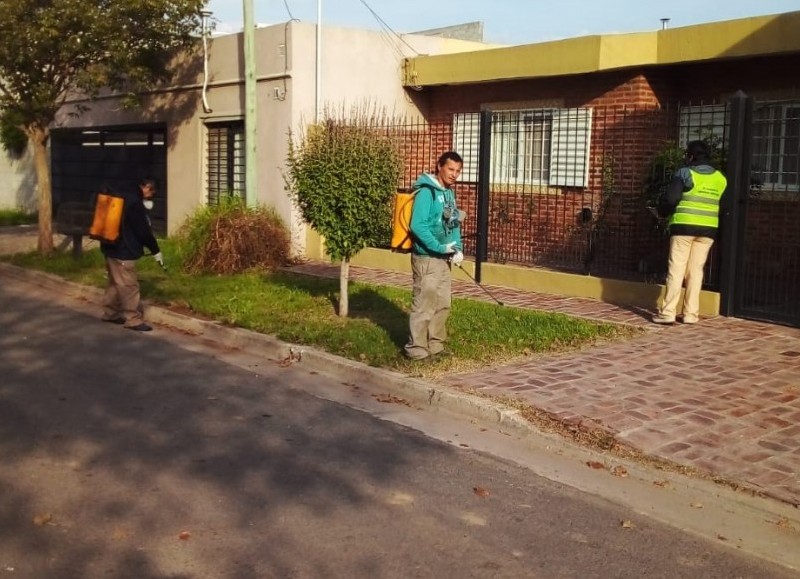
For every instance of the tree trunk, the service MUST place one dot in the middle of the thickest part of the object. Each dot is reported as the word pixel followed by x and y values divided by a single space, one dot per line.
pixel 344 275
pixel 38 137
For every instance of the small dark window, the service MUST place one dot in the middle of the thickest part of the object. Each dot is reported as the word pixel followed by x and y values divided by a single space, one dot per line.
pixel 225 162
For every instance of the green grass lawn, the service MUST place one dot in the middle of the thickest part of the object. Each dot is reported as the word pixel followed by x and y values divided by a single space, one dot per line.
pixel 16 217
pixel 302 309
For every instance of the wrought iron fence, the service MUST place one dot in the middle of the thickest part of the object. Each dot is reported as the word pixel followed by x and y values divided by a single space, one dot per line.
pixel 568 188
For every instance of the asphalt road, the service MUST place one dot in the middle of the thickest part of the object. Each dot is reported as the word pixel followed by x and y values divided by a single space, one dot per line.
pixel 139 455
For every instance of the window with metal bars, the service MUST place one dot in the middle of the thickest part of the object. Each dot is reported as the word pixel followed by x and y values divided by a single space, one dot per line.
pixel 776 144
pixel 529 147
pixel 776 139
pixel 225 162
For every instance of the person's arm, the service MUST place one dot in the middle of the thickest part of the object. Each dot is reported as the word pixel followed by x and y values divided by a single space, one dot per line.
pixel 681 182
pixel 141 228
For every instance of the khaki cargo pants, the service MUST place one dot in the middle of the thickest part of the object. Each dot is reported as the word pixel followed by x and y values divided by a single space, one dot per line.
pixel 430 306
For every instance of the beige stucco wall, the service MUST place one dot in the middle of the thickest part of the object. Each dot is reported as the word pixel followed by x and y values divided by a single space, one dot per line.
pixel 358 67
pixel 17 181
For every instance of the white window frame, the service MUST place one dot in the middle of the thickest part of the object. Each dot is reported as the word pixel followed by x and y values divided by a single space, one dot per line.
pixel 770 153
pixel 542 146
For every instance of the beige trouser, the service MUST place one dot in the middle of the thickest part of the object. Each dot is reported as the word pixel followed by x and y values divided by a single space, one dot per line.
pixel 687 257
pixel 430 306
pixel 122 298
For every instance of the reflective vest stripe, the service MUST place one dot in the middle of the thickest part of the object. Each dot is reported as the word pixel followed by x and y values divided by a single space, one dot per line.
pixel 700 205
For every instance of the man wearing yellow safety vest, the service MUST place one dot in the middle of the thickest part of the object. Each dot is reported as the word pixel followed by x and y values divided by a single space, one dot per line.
pixel 692 203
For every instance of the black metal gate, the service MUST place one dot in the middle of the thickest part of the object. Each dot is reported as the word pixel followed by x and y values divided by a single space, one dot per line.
pixel 761 225
pixel 85 160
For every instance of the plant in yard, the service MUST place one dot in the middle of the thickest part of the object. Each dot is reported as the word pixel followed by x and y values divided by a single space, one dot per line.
pixel 296 308
pixel 342 174
pixel 16 217
pixel 50 51
pixel 230 238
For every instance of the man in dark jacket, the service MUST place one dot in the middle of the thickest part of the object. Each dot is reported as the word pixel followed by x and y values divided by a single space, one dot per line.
pixel 692 203
pixel 122 300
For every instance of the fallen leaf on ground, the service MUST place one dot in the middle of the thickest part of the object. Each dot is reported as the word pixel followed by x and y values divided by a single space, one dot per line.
pixel 696 505
pixel 784 523
pixel 626 524
pixel 42 519
pixel 661 483
pixel 481 492
pixel 390 399
pixel 594 464
pixel 619 471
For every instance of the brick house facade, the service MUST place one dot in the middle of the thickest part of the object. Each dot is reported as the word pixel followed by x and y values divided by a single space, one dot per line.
pixel 600 224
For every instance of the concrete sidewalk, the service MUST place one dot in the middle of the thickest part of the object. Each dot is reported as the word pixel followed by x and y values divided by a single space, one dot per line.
pixel 722 396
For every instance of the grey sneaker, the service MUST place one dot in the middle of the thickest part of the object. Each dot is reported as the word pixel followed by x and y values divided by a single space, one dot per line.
pixel 662 319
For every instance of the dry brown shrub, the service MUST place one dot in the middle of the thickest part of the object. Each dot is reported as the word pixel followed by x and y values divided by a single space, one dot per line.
pixel 234 238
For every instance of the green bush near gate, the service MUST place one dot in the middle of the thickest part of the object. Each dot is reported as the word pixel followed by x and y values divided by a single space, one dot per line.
pixel 297 308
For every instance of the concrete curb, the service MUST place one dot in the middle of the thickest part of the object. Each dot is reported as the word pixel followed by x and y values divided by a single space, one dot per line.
pixel 725 508
pixel 418 391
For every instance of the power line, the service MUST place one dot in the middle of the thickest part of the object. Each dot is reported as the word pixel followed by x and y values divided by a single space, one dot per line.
pixel 288 11
pixel 387 27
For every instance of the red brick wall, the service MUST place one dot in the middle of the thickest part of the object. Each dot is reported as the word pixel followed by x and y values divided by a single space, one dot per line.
pixel 634 114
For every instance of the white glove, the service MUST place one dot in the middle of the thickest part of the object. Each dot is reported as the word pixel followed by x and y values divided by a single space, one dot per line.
pixel 159 259
pixel 457 258
pixel 450 248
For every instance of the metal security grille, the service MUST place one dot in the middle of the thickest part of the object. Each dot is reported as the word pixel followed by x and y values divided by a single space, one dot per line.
pixel 225 161
pixel 709 122
pixel 84 161
pixel 769 280
pixel 569 189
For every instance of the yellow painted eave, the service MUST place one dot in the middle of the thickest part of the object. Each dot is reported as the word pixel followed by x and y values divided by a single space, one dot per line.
pixel 747 37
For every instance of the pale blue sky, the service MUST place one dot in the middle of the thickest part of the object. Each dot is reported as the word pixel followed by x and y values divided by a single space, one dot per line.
pixel 505 21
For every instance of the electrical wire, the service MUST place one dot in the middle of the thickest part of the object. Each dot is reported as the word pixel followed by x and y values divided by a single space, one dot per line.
pixel 289 12
pixel 387 27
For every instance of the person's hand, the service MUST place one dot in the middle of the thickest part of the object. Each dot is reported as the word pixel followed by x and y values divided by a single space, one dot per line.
pixel 450 248
pixel 159 259
pixel 457 258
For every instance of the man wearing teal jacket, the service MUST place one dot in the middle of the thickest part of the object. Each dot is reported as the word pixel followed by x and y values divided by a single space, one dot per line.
pixel 436 245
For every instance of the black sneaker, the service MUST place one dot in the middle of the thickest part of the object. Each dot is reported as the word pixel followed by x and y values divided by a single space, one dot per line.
pixel 140 328
pixel 118 320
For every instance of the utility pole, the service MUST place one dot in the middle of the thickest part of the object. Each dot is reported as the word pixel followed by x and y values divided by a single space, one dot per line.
pixel 250 117
pixel 318 80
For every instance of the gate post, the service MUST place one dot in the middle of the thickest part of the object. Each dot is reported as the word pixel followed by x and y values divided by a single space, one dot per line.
pixel 733 208
pixel 484 171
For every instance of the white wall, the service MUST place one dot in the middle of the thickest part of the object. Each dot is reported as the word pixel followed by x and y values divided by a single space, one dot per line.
pixel 17 181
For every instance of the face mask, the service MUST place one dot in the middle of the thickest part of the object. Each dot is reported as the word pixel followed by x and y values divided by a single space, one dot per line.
pixel 148 204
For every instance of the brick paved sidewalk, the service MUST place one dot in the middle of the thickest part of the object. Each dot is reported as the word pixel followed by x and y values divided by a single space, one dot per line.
pixel 722 396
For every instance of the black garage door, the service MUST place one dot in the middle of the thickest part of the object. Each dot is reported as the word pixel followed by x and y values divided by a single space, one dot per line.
pixel 85 161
